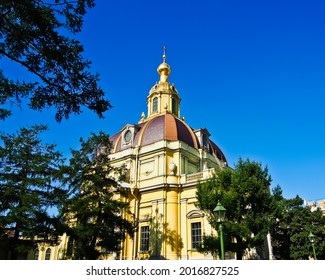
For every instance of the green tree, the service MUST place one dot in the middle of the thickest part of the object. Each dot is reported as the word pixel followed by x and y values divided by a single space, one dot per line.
pixel 31 34
pixel 29 187
pixel 210 244
pixel 291 224
pixel 244 192
pixel 96 216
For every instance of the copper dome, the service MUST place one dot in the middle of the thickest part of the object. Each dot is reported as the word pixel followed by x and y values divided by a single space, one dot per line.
pixel 164 127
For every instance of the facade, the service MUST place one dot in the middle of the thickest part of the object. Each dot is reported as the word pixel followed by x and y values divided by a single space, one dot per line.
pixel 165 158
pixel 48 252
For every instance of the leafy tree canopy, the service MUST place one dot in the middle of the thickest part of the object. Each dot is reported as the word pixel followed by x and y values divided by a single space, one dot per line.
pixel 245 194
pixel 95 214
pixel 31 34
pixel 291 223
pixel 29 187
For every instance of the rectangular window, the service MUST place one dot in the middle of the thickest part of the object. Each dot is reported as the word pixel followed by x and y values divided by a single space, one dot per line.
pixel 144 241
pixel 174 106
pixel 196 234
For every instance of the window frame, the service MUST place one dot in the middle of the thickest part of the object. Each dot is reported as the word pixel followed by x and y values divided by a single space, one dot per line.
pixel 196 234
pixel 174 106
pixel 144 238
pixel 155 105
pixel 48 254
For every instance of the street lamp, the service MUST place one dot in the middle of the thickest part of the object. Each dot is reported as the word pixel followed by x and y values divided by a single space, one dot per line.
pixel 220 214
pixel 311 238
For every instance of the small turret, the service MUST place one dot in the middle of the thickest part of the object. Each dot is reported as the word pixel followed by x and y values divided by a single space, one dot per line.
pixel 163 97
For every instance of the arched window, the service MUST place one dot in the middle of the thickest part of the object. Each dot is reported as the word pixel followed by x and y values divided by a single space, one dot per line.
pixel 36 254
pixel 155 105
pixel 48 254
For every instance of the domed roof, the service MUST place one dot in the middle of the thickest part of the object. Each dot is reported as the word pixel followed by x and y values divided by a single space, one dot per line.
pixel 164 127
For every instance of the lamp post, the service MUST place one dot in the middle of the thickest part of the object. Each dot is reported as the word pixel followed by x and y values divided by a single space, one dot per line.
pixel 311 238
pixel 220 214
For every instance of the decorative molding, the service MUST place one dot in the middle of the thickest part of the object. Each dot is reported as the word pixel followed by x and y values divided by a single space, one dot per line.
pixel 195 214
pixel 145 220
pixel 158 201
pixel 184 200
pixel 195 176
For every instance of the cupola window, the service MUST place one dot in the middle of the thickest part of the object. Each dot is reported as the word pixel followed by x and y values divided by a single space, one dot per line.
pixel 174 106
pixel 155 105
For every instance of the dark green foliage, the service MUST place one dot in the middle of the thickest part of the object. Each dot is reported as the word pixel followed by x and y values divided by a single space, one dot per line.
pixel 210 244
pixel 31 35
pixel 245 194
pixel 291 225
pixel 29 187
pixel 94 216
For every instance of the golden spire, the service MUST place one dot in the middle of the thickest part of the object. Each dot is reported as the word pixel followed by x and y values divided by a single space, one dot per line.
pixel 163 68
pixel 163 97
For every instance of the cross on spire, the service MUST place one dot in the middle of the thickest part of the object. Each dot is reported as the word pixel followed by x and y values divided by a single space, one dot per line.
pixel 164 55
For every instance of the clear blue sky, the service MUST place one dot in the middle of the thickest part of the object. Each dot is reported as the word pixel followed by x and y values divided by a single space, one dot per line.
pixel 251 72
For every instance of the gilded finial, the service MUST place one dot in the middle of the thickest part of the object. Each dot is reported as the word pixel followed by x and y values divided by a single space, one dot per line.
pixel 163 69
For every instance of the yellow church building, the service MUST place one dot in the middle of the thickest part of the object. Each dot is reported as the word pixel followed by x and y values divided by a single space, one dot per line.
pixel 165 157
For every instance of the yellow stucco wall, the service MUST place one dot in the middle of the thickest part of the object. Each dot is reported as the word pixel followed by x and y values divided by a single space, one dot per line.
pixel 164 177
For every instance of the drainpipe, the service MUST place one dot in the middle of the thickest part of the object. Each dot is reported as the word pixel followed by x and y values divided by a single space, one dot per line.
pixel 136 200
pixel 136 213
